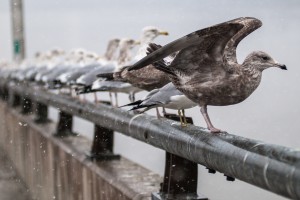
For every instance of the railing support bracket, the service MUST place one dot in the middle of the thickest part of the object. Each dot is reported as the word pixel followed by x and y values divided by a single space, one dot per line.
pixel 181 176
pixel 102 148
pixel 41 113
pixel 64 126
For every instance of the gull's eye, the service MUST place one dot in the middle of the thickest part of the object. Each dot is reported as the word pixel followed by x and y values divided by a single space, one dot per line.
pixel 265 58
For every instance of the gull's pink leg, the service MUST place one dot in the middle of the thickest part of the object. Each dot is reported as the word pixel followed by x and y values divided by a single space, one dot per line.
pixel 164 110
pixel 116 99
pixel 95 97
pixel 157 113
pixel 212 129
pixel 110 97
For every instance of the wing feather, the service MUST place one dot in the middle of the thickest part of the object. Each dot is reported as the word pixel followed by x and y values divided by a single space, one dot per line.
pixel 211 45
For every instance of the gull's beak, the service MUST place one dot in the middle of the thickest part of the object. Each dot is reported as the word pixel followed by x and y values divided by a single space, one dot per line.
pixel 281 66
pixel 163 33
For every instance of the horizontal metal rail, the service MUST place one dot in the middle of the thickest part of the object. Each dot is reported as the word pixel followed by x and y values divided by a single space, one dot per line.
pixel 272 167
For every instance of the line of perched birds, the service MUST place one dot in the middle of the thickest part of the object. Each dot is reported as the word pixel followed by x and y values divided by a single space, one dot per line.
pixel 78 68
pixel 199 69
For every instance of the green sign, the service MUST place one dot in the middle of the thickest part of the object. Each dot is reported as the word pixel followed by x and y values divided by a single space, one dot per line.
pixel 17 47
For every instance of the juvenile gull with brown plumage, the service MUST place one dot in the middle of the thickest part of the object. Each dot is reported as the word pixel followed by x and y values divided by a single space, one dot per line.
pixel 206 68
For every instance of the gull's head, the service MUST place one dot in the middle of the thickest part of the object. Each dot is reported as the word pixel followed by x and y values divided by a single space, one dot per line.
pixel 91 55
pixel 115 41
pixel 149 33
pixel 261 61
pixel 112 47
pixel 57 52
pixel 128 43
pixel 37 54
pixel 77 52
pixel 113 44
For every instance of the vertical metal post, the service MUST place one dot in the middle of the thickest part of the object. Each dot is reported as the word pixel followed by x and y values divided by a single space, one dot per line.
pixel 64 126
pixel 4 92
pixel 26 106
pixel 14 100
pixel 102 148
pixel 41 113
pixel 181 176
pixel 17 30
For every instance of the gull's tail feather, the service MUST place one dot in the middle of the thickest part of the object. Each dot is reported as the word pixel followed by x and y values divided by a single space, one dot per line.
pixel 132 104
pixel 83 90
pixel 106 76
pixel 113 76
pixel 147 107
pixel 138 105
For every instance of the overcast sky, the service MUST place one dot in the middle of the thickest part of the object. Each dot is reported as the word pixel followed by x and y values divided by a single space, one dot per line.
pixel 90 23
pixel 271 113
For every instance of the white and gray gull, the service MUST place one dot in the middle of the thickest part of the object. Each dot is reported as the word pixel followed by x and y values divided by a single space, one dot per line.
pixel 206 68
pixel 166 97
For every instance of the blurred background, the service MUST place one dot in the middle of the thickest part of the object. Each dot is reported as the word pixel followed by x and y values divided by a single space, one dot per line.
pixel 271 114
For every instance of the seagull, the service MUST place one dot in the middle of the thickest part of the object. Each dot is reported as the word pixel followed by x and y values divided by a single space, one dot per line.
pixel 134 82
pixel 86 81
pixel 166 97
pixel 126 46
pixel 206 68
pixel 53 58
pixel 41 63
pixel 140 78
pixel 70 77
pixel 115 87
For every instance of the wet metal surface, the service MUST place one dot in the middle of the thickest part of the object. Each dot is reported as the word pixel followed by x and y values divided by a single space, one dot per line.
pixel 57 168
pixel 268 166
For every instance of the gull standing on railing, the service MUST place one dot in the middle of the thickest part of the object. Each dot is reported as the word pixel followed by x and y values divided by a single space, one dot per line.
pixel 206 68
pixel 147 78
pixel 69 78
pixel 85 83
pixel 166 97
pixel 53 59
pixel 89 81
pixel 128 83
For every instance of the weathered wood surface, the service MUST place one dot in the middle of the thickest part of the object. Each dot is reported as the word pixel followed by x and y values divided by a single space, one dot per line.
pixel 57 168
pixel 11 186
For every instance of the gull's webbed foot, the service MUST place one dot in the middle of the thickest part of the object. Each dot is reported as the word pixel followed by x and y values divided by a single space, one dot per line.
pixel 214 130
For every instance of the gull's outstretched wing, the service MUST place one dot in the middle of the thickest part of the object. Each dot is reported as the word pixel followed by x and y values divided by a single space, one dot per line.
pixel 206 47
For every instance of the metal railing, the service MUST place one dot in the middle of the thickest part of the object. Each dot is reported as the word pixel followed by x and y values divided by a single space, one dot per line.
pixel 271 167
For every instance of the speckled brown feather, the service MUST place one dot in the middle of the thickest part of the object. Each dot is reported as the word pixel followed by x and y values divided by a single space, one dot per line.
pixel 147 78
